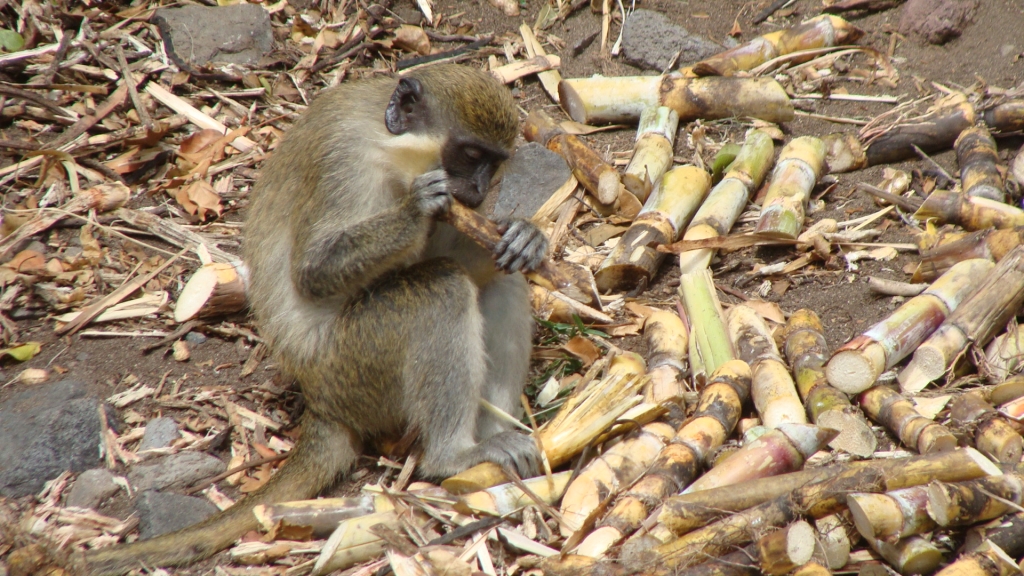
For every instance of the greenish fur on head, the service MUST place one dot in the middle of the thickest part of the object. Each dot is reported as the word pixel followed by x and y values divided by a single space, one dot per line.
pixel 477 101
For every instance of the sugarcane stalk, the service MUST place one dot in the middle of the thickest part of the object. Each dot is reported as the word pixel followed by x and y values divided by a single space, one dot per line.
pixel 979 164
pixel 667 344
pixel 781 551
pixel 354 542
pixel 993 436
pixel 887 407
pixel 215 288
pixel 797 170
pixel 634 260
pixel 1007 533
pixel 844 152
pixel 975 321
pixel 1006 117
pixel 973 501
pixel 892 515
pixel 970 212
pixel 987 560
pixel 710 346
pixel 557 307
pixel 912 555
pixel 728 198
pixel 774 393
pixel 812 569
pixel 652 155
pixel 602 100
pixel 807 350
pixel 937 130
pixel 597 176
pixel 718 411
pixel 820 32
pixel 778 451
pixel 988 244
pixel 856 365
pixel 507 498
pixel 1004 356
pixel 321 515
pixel 834 537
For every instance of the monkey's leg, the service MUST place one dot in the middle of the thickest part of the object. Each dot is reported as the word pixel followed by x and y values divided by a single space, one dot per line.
pixel 322 454
pixel 508 338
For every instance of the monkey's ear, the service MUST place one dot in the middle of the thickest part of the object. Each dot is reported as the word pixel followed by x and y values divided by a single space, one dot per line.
pixel 404 109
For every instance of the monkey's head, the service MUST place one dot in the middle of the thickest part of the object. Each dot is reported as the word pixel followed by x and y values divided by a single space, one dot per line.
pixel 470 111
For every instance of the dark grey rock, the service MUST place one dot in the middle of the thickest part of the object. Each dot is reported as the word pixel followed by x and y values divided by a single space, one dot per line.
pixel 163 513
pixel 44 431
pixel 198 35
pixel 160 432
pixel 531 176
pixel 195 338
pixel 91 488
pixel 179 470
pixel 651 41
pixel 937 21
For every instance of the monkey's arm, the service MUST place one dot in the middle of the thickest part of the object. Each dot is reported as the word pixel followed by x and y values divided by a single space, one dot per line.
pixel 335 262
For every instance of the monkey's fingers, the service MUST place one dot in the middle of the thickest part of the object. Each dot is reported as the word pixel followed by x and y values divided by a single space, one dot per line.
pixel 522 247
pixel 432 193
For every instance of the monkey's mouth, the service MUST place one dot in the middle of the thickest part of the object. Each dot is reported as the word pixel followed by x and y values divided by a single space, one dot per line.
pixel 466 192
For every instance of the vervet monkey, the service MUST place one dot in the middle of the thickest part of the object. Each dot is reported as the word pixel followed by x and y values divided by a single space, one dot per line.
pixel 392 322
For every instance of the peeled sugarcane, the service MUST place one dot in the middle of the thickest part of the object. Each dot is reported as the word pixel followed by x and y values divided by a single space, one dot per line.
pixel 987 560
pixel 781 551
pixel 887 407
pixel 936 130
pixel 970 212
pixel 1004 356
pixel 719 409
pixel 728 198
pixel 993 436
pixel 856 365
pixel 667 343
pixel 772 389
pixel 710 346
pixel 634 260
pixel 973 501
pixel 652 156
pixel 352 542
pixel 892 515
pixel 778 451
pixel 608 100
pixel 321 515
pixel 979 164
pixel 593 408
pixel 821 32
pixel 826 406
pixel 988 244
pixel 507 498
pixel 912 555
pixel 613 470
pixel 975 322
pixel 215 288
pixel 682 514
pixel 797 170
pixel 597 176
pixel 1006 117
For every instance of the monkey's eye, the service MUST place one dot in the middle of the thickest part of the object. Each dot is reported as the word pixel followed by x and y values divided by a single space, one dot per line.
pixel 472 152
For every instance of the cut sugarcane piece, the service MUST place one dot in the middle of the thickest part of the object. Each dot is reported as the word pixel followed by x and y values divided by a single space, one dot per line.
pixel 652 156
pixel 723 159
pixel 913 555
pixel 634 260
pixel 719 409
pixel 970 212
pixel 214 289
pixel 820 32
pixel 979 164
pixel 987 560
pixel 844 152
pixel 597 176
pixel 988 244
pixel 1004 356
pixel 797 170
pixel 778 451
pixel 322 514
pixel 606 100
pixel 890 409
pixel 806 350
pixel 1007 533
pixel 973 501
pixel 783 550
pixel 557 307
pixel 937 130
pixel 834 537
pixel 353 542
pixel 774 393
pixel 856 365
pixel 507 498
pixel 1006 117
pixel 710 346
pixel 812 569
pixel 975 321
pixel 682 514
pixel 993 436
pixel 728 198
pixel 667 344
pixel 891 515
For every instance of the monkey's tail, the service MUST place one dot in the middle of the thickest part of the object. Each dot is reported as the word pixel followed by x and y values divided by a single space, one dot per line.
pixel 321 455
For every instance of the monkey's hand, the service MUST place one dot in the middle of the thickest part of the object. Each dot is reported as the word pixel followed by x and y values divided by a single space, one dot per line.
pixel 431 193
pixel 514 450
pixel 522 247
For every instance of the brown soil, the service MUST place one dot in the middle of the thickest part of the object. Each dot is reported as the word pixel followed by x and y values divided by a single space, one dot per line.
pixel 989 52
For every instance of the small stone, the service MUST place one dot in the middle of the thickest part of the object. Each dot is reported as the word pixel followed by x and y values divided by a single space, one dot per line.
pixel 179 470
pixel 82 356
pixel 163 513
pixel 91 488
pixel 197 35
pixel 650 40
pixel 160 432
pixel 1007 50
pixel 531 176
pixel 195 338
pixel 46 430
pixel 937 21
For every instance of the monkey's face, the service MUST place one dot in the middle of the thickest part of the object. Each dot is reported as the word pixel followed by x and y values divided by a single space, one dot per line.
pixel 470 164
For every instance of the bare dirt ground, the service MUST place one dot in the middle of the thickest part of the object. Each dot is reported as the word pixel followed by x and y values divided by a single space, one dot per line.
pixel 990 52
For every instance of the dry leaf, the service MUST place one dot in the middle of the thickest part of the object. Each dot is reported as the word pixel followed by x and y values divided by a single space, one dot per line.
pixel 583 349
pixel 413 39
pixel 27 262
pixel 23 352
pixel 91 249
pixel 768 310
pixel 199 197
